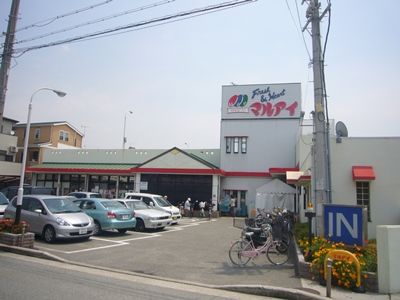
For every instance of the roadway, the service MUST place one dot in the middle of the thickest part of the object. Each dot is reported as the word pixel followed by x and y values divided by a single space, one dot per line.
pixel 31 278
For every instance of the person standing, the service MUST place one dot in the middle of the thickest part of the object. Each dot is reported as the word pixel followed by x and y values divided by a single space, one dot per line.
pixel 232 206
pixel 187 207
pixel 202 206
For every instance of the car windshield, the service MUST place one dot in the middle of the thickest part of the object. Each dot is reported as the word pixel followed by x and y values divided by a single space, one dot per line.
pixel 162 202
pixel 3 199
pixel 137 205
pixel 61 206
pixel 112 204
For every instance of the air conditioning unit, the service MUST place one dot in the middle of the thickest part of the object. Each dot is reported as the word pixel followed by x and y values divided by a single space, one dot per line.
pixel 12 149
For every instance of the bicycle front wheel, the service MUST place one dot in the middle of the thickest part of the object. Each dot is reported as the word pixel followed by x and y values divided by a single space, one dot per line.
pixel 235 253
pixel 277 255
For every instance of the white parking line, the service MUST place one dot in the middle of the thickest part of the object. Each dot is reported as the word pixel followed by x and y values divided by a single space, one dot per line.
pixel 195 222
pixel 96 248
pixel 141 238
pixel 104 240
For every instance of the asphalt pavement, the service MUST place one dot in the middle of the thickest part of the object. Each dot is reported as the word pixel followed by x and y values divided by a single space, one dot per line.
pixel 196 250
pixel 193 252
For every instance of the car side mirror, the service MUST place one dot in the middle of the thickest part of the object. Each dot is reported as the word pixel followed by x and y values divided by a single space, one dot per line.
pixel 39 211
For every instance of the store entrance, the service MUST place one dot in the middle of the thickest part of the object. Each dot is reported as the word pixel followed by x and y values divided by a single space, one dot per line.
pixel 179 187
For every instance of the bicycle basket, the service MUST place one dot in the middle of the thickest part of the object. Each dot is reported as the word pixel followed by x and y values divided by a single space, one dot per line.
pixel 250 222
pixel 277 231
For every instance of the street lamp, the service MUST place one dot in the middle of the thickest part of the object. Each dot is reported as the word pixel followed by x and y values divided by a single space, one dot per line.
pixel 25 150
pixel 124 137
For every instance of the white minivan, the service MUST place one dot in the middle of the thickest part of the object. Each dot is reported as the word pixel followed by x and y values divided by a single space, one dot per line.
pixel 157 202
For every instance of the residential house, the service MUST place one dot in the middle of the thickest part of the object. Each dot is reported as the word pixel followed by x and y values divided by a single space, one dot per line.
pixel 9 169
pixel 55 135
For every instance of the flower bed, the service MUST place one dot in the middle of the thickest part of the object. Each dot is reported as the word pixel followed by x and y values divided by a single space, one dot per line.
pixel 15 234
pixel 312 257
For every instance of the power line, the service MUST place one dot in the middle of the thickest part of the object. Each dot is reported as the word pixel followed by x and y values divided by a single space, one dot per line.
pixel 290 11
pixel 298 26
pixel 302 33
pixel 160 24
pixel 211 8
pixel 97 20
pixel 52 19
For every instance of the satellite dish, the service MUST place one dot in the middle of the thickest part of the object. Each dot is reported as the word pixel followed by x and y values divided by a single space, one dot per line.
pixel 341 129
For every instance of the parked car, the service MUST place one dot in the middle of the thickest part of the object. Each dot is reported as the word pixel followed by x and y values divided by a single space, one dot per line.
pixel 157 202
pixel 3 204
pixel 107 214
pixel 85 195
pixel 12 191
pixel 52 217
pixel 147 217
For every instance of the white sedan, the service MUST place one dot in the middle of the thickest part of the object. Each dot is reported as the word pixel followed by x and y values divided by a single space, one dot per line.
pixel 3 204
pixel 147 217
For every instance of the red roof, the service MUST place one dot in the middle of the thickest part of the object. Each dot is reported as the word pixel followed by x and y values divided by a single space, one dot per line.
pixel 363 173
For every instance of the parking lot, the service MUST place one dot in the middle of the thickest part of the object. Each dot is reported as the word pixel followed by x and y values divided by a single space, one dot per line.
pixel 195 250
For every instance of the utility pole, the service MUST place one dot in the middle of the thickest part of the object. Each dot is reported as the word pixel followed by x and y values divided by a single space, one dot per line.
pixel 320 150
pixel 6 56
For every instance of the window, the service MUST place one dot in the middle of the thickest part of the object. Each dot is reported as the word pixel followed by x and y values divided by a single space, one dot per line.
pixel 37 133
pixel 362 191
pixel 228 145
pixel 147 200
pixel 34 205
pixel 239 144
pixel 89 205
pixel 35 156
pixel 64 136
pixel 236 145
pixel 244 145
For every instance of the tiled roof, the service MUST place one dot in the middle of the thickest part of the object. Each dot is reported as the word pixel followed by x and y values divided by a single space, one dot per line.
pixel 118 156
pixel 74 167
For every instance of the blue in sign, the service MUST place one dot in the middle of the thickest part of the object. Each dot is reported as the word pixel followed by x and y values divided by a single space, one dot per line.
pixel 343 223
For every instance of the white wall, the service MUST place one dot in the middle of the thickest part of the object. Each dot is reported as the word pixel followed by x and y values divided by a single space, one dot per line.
pixel 270 143
pixel 383 155
pixel 380 153
pixel 6 141
pixel 388 247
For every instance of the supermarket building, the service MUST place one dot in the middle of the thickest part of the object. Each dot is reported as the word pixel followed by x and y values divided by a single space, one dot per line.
pixel 264 160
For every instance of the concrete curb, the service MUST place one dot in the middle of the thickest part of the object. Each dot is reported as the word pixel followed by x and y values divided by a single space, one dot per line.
pixel 273 291
pixel 261 290
pixel 31 252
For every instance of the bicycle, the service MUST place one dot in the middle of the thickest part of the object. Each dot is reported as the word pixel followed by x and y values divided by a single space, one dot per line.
pixel 281 221
pixel 244 250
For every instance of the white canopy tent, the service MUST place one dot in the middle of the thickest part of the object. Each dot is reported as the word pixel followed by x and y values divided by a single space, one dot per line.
pixel 275 194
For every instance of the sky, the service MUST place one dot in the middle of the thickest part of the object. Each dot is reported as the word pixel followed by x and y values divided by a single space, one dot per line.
pixel 171 76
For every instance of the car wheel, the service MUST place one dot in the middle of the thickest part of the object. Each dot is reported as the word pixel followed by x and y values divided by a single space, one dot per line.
pixel 97 228
pixel 140 225
pixel 122 231
pixel 49 234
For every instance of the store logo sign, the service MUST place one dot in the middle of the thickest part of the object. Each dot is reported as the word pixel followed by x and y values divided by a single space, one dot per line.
pixel 273 110
pixel 237 103
pixel 268 102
